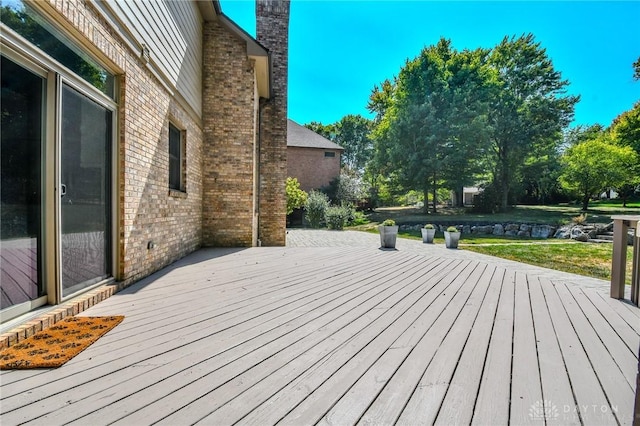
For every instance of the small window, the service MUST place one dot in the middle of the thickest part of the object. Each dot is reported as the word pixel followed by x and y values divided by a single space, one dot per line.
pixel 176 159
pixel 329 154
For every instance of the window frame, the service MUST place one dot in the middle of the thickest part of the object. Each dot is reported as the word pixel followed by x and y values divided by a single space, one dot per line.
pixel 180 159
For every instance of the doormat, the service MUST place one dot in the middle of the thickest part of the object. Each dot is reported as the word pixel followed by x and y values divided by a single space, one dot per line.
pixel 53 346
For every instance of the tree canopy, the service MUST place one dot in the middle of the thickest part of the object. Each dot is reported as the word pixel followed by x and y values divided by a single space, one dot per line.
pixel 431 121
pixel 597 164
pixel 529 111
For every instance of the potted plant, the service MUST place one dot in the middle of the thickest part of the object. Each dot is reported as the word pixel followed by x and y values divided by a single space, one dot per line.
pixel 428 232
pixel 388 233
pixel 451 237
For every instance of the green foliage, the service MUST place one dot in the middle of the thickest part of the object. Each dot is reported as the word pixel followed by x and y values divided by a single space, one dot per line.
pixel 296 197
pixel 625 129
pixel 358 218
pixel 316 208
pixel 428 226
pixel 430 123
pixel 594 165
pixel 336 217
pixel 389 222
pixel 346 188
pixel 487 201
pixel 636 69
pixel 529 111
pixel 328 131
pixel 353 134
pixel 452 229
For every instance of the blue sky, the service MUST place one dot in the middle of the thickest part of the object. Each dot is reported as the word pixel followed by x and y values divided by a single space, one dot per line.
pixel 338 50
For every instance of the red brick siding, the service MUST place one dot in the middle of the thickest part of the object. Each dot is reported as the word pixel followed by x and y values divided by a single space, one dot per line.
pixel 310 166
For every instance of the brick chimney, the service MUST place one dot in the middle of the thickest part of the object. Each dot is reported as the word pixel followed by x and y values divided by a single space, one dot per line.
pixel 273 33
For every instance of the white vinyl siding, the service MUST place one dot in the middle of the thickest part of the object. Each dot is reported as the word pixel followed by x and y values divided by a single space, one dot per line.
pixel 172 31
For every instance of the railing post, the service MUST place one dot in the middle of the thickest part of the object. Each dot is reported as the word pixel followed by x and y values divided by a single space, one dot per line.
pixel 635 268
pixel 619 257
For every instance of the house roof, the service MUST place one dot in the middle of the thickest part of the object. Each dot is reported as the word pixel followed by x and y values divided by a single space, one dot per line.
pixel 300 136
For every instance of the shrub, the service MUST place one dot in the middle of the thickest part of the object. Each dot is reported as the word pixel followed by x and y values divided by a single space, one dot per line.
pixel 488 201
pixel 296 197
pixel 336 217
pixel 389 222
pixel 315 208
pixel 359 218
pixel 428 226
pixel 452 229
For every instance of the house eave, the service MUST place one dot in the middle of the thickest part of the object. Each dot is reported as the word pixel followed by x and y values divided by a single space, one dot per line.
pixel 211 11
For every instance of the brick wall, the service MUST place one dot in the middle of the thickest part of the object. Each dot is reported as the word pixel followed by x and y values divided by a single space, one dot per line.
pixel 273 33
pixel 146 209
pixel 310 166
pixel 229 109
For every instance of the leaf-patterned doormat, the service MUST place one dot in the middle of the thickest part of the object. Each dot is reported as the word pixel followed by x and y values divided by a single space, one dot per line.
pixel 53 346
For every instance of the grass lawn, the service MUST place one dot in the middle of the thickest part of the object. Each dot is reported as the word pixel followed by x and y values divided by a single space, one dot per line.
pixel 593 260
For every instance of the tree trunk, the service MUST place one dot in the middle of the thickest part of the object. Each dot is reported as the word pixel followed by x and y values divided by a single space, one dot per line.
pixel 585 202
pixel 426 199
pixel 460 197
pixel 435 195
pixel 505 196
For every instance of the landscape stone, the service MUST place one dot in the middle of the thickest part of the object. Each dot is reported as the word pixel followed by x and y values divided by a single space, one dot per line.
pixel 543 231
pixel 498 229
pixel 522 233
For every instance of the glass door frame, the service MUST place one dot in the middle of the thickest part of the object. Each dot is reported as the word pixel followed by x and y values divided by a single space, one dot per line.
pixel 93 94
pixel 47 228
pixel 25 54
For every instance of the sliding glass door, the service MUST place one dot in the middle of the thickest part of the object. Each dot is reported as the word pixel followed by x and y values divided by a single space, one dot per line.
pixel 22 109
pixel 85 191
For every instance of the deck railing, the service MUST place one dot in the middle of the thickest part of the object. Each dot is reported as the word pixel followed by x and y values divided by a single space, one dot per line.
pixel 621 226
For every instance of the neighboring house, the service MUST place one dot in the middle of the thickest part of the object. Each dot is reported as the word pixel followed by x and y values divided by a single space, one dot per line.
pixel 468 195
pixel 133 133
pixel 313 159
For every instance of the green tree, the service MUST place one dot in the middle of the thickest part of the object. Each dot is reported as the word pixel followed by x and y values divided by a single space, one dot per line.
pixel 296 197
pixel 625 128
pixel 352 133
pixel 594 165
pixel 430 122
pixel 528 112
pixel 636 69
pixel 328 131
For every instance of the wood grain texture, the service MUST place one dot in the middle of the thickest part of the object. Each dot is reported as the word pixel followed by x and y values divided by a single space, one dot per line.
pixel 342 335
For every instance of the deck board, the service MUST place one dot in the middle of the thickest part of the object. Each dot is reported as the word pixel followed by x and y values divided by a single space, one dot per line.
pixel 492 402
pixel 584 380
pixel 465 384
pixel 343 335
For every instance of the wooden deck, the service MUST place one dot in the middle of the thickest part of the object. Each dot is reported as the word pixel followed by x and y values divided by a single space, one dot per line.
pixel 344 335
